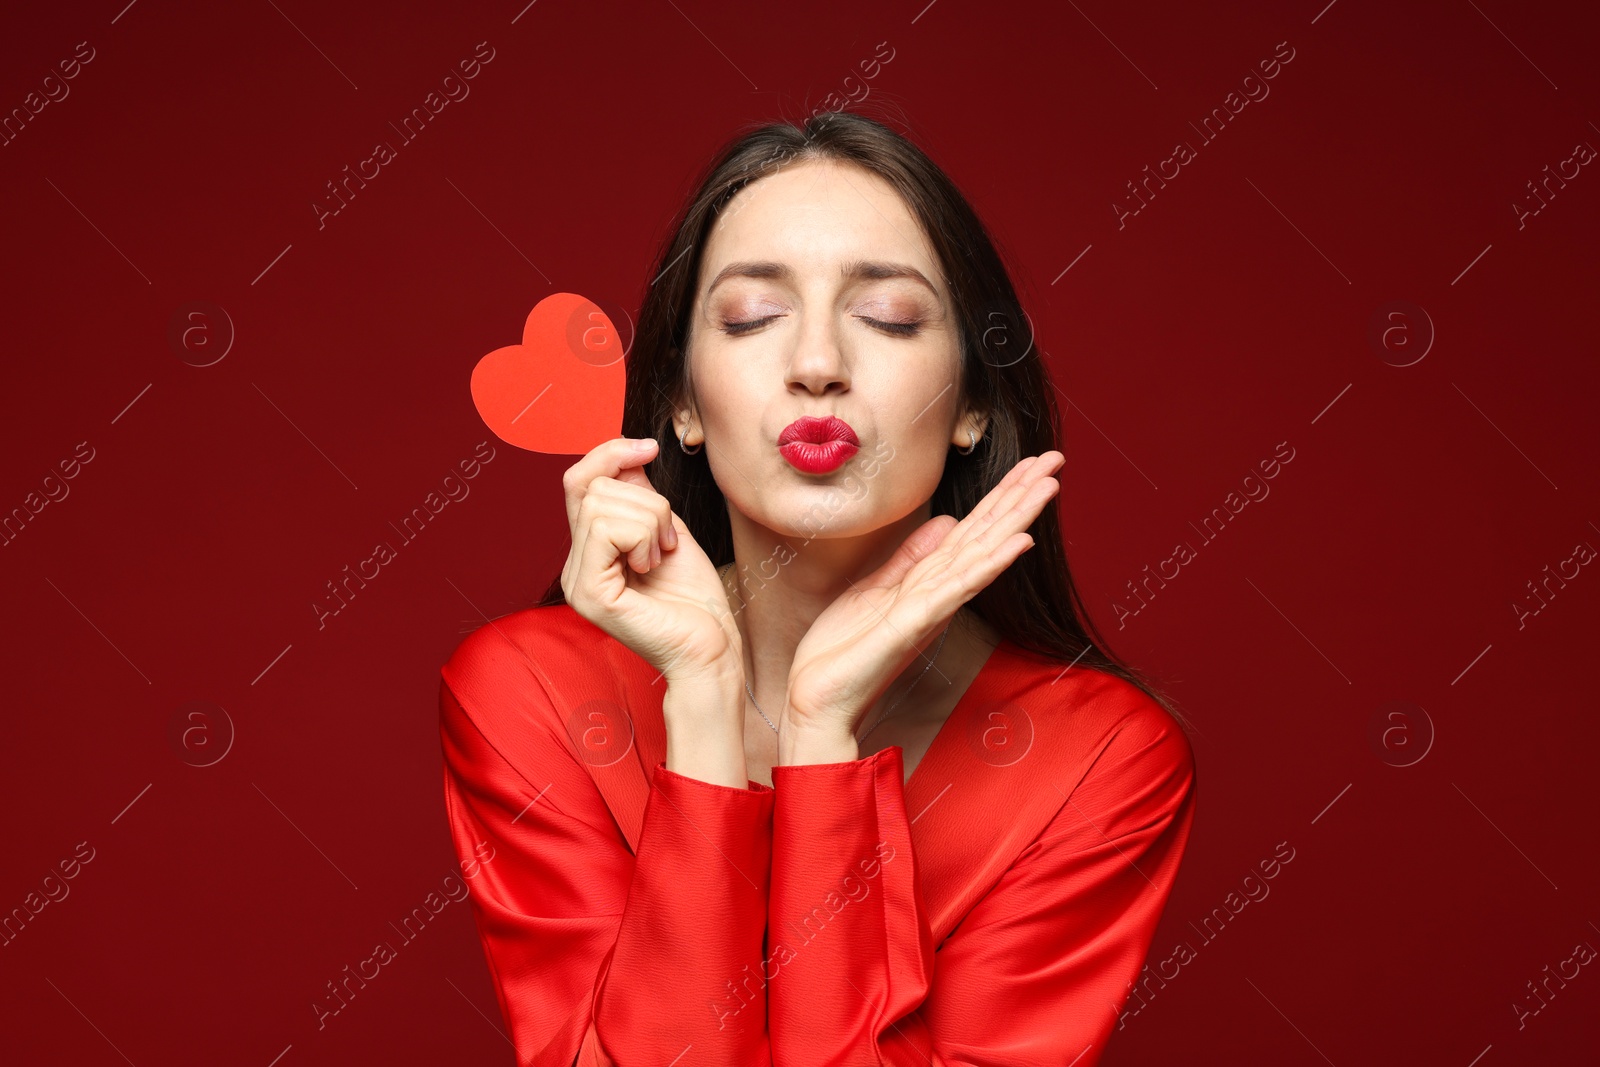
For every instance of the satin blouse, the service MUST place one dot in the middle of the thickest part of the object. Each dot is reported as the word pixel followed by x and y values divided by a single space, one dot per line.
pixel 992 910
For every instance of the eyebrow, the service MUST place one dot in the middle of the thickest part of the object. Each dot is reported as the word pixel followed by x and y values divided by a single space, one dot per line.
pixel 859 269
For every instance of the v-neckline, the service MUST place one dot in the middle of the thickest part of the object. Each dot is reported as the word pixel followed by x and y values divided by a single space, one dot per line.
pixel 650 735
pixel 954 723
pixel 956 857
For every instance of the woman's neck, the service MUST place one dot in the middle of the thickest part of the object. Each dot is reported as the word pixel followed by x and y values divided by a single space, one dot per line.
pixel 773 617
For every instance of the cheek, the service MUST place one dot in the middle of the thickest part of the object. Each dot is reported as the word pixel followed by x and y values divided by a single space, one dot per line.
pixel 912 374
pixel 916 409
pixel 902 466
pixel 724 387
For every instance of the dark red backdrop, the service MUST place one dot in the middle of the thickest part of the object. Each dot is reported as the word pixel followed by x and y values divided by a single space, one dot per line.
pixel 1443 849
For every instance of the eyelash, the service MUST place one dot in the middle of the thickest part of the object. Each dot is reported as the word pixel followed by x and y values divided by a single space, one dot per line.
pixel 898 329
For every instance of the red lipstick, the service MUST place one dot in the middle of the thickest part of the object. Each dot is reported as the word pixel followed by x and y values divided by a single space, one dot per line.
pixel 818 445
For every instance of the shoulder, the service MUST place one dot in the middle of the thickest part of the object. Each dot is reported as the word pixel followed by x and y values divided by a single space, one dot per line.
pixel 514 666
pixel 512 710
pixel 1137 722
pixel 1106 725
pixel 551 634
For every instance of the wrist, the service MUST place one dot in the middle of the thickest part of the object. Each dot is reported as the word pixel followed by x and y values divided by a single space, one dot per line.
pixel 800 744
pixel 726 673
pixel 704 721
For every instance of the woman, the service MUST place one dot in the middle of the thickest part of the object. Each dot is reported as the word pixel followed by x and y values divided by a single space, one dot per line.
pixel 811 758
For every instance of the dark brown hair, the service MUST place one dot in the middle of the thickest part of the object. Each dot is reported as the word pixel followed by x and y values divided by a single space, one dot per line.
pixel 1034 602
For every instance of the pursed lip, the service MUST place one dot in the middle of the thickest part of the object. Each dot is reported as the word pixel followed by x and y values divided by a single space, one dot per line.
pixel 814 430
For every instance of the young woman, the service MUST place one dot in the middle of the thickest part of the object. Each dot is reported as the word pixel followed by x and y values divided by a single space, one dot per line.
pixel 812 758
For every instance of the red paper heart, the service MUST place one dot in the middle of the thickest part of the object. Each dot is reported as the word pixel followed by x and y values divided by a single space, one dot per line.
pixel 560 390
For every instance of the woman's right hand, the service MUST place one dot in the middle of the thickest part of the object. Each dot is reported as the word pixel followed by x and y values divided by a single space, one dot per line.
pixel 636 572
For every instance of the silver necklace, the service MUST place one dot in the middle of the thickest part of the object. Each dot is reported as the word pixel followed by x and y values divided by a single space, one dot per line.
pixel 882 715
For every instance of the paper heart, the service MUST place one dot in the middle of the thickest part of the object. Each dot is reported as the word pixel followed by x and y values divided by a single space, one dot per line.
pixel 560 390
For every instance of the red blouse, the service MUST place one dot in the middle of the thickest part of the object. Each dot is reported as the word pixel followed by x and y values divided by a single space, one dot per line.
pixel 992 910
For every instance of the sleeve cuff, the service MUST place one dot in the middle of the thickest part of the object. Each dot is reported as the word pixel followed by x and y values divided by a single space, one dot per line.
pixel 845 770
pixel 692 927
pixel 686 782
pixel 845 913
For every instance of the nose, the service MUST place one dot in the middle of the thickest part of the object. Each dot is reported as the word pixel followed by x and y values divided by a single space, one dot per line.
pixel 817 363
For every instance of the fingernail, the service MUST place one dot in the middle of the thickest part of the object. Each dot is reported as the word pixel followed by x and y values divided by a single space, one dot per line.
pixel 655 553
pixel 672 537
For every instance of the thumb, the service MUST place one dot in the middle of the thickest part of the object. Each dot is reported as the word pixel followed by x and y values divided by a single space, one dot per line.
pixel 635 476
pixel 915 548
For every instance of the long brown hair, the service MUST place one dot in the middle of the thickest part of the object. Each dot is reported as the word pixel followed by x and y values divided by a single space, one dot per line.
pixel 1034 602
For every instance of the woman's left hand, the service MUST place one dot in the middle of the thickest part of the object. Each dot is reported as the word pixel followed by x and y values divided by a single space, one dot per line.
pixel 864 639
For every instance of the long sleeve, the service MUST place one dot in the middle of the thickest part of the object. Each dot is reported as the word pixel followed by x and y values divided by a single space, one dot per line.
pixel 620 958
pixel 1039 968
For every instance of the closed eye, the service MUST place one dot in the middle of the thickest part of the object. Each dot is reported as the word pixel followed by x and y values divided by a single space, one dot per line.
pixel 737 328
pixel 898 329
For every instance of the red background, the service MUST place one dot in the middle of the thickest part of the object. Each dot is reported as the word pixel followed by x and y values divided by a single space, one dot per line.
pixel 1230 315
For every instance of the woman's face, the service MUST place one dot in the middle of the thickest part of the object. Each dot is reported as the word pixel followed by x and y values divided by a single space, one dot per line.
pixel 794 317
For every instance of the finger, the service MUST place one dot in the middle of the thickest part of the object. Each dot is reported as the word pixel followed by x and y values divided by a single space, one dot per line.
pixel 644 497
pixel 1014 520
pixel 994 563
pixel 1021 512
pixel 606 504
pixel 1003 499
pixel 1011 493
pixel 924 540
pixel 610 459
pixel 956 581
pixel 1041 468
pixel 609 538
pixel 1019 477
pixel 1006 519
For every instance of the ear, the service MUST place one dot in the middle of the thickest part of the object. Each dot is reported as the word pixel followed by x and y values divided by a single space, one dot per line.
pixel 977 422
pixel 682 422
